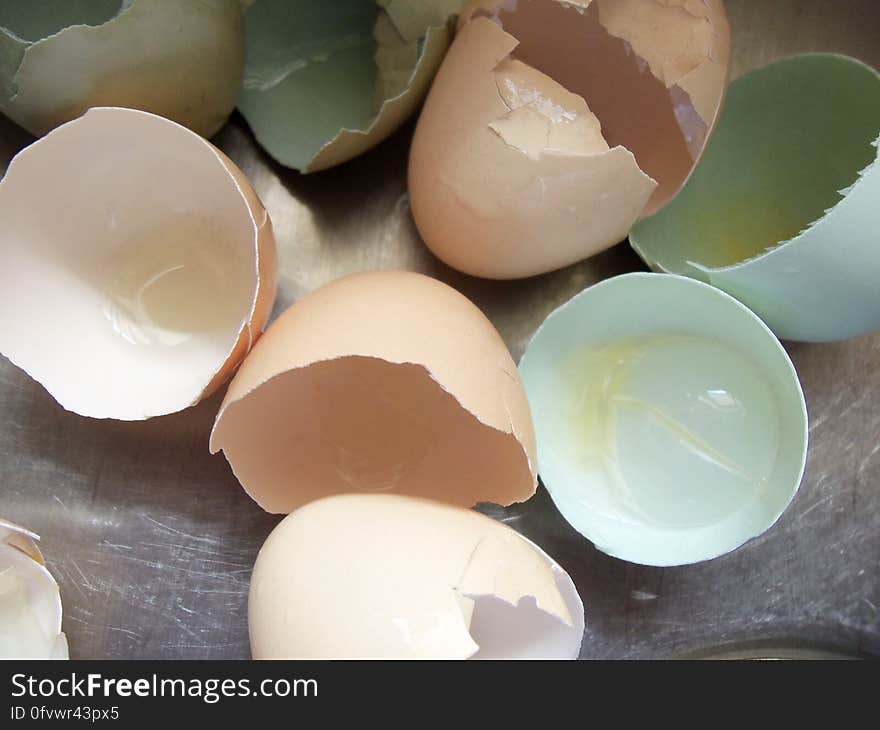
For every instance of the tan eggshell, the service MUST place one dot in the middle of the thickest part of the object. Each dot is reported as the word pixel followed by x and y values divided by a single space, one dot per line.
pixel 22 562
pixel 671 56
pixel 96 213
pixel 182 59
pixel 693 52
pixel 267 276
pixel 552 127
pixel 379 381
pixel 487 208
pixel 407 578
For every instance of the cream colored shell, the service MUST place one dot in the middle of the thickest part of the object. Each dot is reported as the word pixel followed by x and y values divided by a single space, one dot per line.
pixel 368 576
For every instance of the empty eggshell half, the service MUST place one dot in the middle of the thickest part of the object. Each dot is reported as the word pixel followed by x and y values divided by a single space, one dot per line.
pixel 182 59
pixel 327 81
pixel 552 126
pixel 139 265
pixel 782 211
pixel 376 382
pixel 407 578
pixel 671 424
pixel 30 603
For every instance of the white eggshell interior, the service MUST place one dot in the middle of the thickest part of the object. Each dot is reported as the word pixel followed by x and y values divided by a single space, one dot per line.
pixel 96 214
pixel 704 442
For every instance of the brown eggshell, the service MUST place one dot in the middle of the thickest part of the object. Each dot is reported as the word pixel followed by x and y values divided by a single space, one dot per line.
pixel 553 126
pixel 95 214
pixel 382 381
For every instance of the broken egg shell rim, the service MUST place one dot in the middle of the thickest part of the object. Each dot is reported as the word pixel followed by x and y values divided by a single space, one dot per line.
pixel 430 33
pixel 570 598
pixel 18 529
pixel 248 322
pixel 628 163
pixel 26 46
pixel 824 221
pixel 214 447
pixel 123 8
pixel 859 175
pixel 556 570
pixel 508 55
pixel 560 574
pixel 474 13
pixel 30 540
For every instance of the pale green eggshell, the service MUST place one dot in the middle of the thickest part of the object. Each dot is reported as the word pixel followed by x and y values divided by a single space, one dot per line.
pixel 782 211
pixel 316 71
pixel 181 59
pixel 641 305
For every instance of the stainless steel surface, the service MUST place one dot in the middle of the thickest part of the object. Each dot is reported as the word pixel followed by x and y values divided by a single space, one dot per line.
pixel 153 540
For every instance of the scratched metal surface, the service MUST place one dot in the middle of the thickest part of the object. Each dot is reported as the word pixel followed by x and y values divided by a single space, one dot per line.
pixel 152 539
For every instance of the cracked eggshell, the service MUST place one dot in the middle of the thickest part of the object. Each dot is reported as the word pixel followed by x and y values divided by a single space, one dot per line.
pixel 376 382
pixel 671 423
pixel 551 127
pixel 139 265
pixel 30 602
pixel 20 538
pixel 407 578
pixel 182 59
pixel 782 211
pixel 325 82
